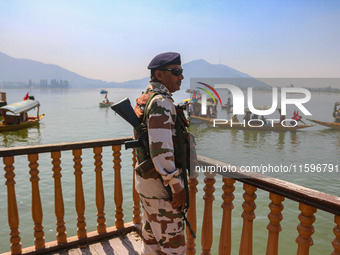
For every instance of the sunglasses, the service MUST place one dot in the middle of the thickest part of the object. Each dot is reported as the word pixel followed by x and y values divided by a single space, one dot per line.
pixel 174 71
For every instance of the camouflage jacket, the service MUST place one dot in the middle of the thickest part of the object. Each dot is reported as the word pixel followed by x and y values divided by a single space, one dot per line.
pixel 161 131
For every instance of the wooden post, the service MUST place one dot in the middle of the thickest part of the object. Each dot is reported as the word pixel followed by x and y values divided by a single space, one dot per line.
pixel 12 208
pixel 118 192
pixel 274 226
pixel 207 225
pixel 248 215
pixel 37 213
pixel 58 198
pixel 336 241
pixel 100 199
pixel 227 205
pixel 135 195
pixel 80 200
pixel 191 214
pixel 305 228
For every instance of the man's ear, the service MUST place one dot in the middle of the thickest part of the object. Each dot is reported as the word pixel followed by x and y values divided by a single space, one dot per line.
pixel 158 75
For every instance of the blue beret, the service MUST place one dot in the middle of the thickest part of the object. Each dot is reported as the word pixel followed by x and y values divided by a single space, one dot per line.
pixel 164 59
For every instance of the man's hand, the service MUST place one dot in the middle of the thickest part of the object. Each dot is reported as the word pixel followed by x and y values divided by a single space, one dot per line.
pixel 179 199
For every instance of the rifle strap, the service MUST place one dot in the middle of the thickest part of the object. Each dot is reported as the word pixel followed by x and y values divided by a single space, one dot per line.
pixel 146 108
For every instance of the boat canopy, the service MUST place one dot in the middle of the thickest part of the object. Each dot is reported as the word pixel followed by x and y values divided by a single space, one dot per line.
pixel 19 107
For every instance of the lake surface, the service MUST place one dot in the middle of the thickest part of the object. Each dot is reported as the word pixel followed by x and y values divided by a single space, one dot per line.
pixel 74 115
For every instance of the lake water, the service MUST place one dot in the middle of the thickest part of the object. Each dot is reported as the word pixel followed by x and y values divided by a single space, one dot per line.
pixel 74 115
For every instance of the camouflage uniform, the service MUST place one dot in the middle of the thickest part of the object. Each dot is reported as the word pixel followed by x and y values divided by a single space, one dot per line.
pixel 163 229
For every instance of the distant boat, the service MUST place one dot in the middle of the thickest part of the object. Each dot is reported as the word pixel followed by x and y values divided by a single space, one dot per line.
pixel 333 125
pixel 103 91
pixel 336 115
pixel 15 116
pixel 105 104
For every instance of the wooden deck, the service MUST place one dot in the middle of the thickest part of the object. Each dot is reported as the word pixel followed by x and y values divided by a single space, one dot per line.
pixel 130 244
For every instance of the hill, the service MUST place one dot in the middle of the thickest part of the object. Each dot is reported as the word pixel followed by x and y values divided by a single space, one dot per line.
pixel 23 70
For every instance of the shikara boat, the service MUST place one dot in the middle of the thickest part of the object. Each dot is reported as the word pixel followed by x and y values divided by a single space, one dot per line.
pixel 333 125
pixel 15 116
pixel 105 104
pixel 239 125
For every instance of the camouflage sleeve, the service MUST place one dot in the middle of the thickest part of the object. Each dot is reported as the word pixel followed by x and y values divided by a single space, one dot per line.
pixel 161 128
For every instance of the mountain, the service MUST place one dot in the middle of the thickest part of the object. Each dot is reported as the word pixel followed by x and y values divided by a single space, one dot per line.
pixel 201 70
pixel 23 70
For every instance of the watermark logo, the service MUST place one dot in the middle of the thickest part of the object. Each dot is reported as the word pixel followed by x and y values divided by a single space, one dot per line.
pixel 204 97
pixel 243 103
pixel 239 99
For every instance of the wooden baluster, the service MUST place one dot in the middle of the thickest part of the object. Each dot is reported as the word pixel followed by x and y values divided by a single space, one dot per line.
pixel 305 228
pixel 207 225
pixel 248 215
pixel 37 213
pixel 12 208
pixel 228 197
pixel 191 214
pixel 135 195
pixel 118 193
pixel 58 198
pixel 80 200
pixel 100 199
pixel 336 241
pixel 274 226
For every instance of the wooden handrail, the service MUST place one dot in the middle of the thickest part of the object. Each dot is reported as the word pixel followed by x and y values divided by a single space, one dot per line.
pixel 83 236
pixel 6 152
pixel 314 198
pixel 309 201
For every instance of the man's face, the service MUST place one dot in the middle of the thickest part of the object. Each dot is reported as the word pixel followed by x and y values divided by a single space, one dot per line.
pixel 172 82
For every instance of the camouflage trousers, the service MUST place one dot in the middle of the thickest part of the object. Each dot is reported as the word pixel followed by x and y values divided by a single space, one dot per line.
pixel 163 229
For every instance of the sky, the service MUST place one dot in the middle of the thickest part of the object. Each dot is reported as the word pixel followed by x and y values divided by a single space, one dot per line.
pixel 115 40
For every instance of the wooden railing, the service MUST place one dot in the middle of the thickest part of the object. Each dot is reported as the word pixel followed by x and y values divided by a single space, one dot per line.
pixel 62 241
pixel 309 201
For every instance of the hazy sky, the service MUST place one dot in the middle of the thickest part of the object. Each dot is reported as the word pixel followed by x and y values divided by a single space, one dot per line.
pixel 115 40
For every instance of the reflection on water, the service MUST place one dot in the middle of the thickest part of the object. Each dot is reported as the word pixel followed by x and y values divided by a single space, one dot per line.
pixel 21 137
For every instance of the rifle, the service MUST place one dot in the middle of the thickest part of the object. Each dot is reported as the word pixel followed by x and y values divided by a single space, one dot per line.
pixel 124 109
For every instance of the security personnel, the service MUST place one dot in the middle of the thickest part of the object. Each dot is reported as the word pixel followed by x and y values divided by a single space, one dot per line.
pixel 163 227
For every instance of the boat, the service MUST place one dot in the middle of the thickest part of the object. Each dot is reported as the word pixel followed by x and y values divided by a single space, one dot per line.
pixel 105 104
pixel 15 116
pixel 103 91
pixel 333 125
pixel 240 125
